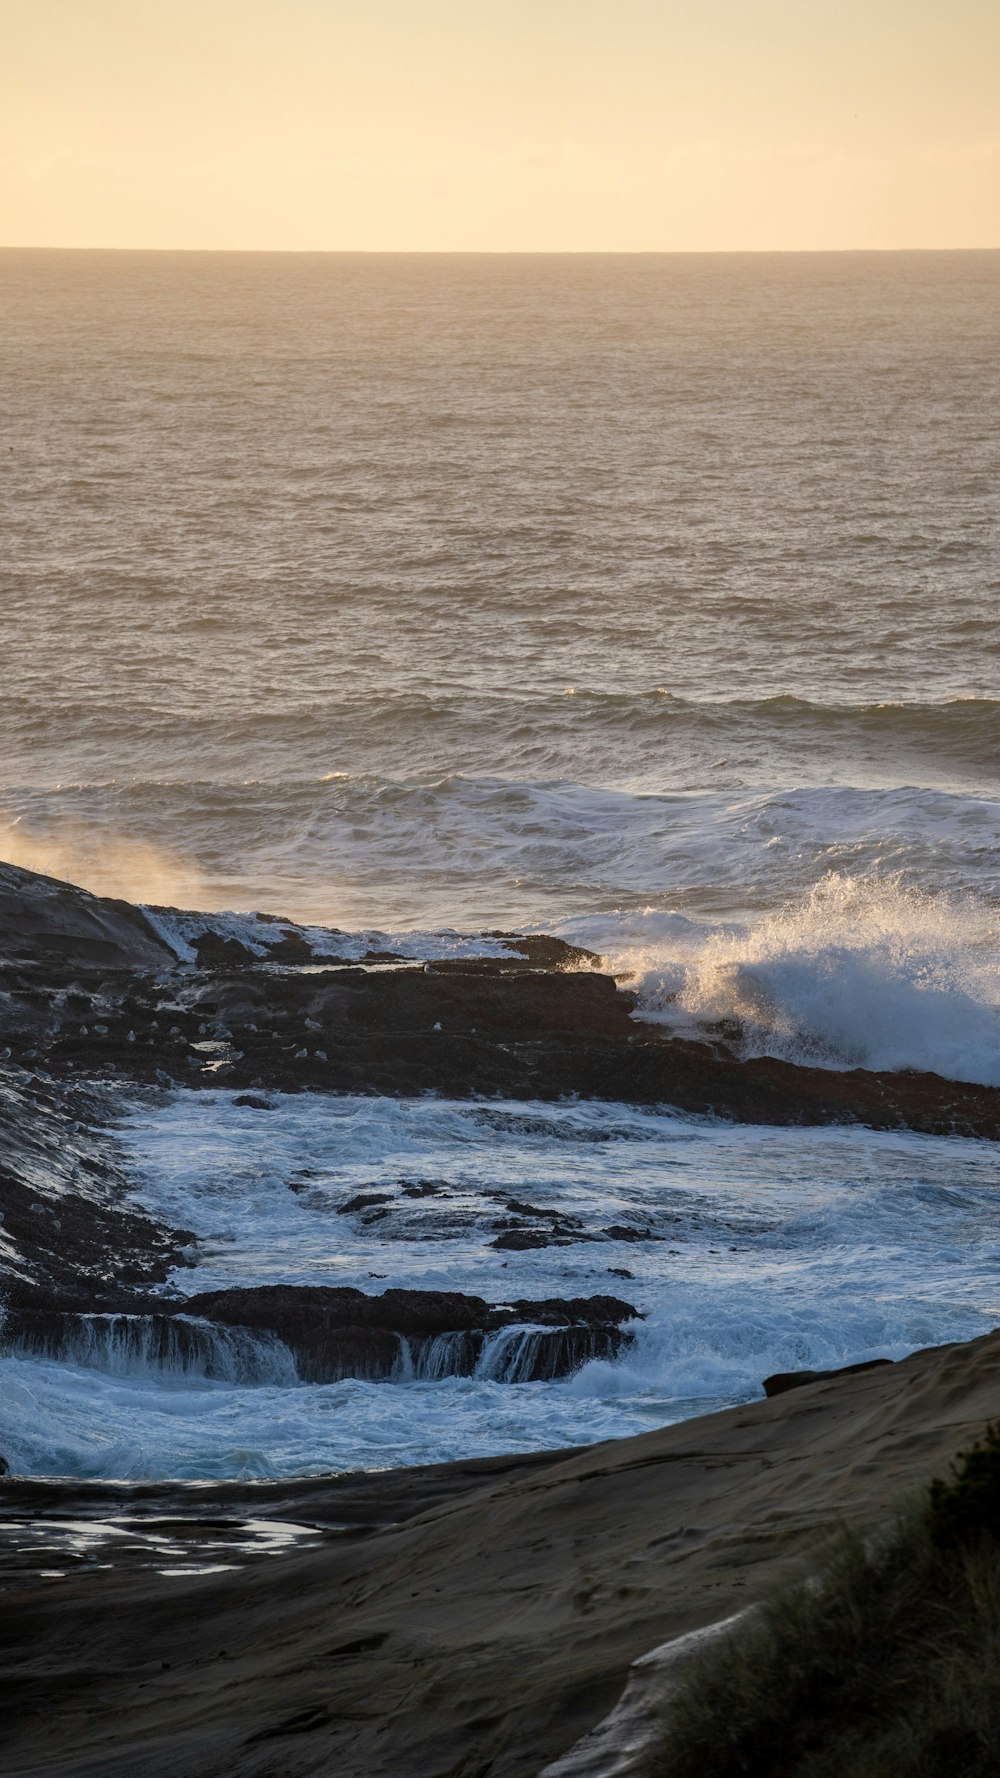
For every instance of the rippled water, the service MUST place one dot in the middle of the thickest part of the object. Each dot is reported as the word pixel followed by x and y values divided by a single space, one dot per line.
pixel 377 583
pixel 651 600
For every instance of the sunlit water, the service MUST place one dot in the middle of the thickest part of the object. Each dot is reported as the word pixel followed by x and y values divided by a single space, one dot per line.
pixel 651 601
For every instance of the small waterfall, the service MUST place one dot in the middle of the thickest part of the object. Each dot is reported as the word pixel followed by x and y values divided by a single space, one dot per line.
pixel 523 1354
pixel 511 1356
pixel 403 1370
pixel 178 1345
pixel 447 1355
pixel 442 1355
pixel 124 1345
pixel 542 1354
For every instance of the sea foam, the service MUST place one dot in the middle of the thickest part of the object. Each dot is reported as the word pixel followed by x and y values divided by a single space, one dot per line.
pixel 859 973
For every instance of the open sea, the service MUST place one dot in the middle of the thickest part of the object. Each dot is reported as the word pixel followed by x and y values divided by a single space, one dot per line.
pixel 647 600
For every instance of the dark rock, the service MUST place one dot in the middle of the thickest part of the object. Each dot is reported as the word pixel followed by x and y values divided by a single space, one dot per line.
pixel 521 1240
pixel 782 1381
pixel 620 1231
pixel 362 1201
pixel 215 952
pixel 336 1332
pixel 59 925
pixel 590 1311
pixel 61 1190
pixel 539 950
pixel 254 1102
pixel 538 1022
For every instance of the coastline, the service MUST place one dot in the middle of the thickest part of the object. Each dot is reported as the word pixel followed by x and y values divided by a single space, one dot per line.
pixel 461 1619
pixel 431 1622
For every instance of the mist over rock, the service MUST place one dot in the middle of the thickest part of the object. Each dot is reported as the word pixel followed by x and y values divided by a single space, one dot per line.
pixel 60 927
pixel 90 988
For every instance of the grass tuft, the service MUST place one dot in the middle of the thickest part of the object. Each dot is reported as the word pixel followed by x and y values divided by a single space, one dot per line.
pixel 884 1665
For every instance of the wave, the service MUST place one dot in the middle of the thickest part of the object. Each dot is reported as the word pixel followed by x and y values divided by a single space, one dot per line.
pixel 836 926
pixel 368 851
pixel 863 973
pixel 637 738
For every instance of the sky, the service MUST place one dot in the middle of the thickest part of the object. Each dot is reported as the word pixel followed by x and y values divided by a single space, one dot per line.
pixel 500 125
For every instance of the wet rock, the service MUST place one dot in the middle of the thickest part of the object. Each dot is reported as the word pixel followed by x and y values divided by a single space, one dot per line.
pixel 620 1231
pixel 539 950
pixel 782 1381
pixel 55 923
pixel 67 1231
pixel 337 1332
pixel 538 1022
pixel 522 1240
pixel 254 1101
pixel 590 1311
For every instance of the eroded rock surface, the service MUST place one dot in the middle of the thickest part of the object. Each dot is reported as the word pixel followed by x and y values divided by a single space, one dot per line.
pixel 67 1230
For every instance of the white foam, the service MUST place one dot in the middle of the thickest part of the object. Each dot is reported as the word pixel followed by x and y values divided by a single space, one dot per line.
pixel 858 973
pixel 260 934
pixel 776 1249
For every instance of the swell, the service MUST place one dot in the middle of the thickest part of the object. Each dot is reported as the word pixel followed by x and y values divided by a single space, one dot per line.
pixel 367 850
pixel 605 735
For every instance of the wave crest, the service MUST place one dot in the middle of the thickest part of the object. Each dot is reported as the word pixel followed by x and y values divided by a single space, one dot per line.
pixel 862 973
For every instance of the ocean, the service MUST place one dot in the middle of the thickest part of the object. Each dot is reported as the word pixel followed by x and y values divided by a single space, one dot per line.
pixel 646 600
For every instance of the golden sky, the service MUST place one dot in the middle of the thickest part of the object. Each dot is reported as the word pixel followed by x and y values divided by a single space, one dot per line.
pixel 541 125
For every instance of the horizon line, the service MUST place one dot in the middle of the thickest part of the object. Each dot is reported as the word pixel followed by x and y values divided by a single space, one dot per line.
pixel 502 252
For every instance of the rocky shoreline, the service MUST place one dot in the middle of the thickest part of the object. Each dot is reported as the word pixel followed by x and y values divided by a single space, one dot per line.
pixel 94 1000
pixel 175 1644
pixel 90 987
pixel 468 1620
pixel 78 1264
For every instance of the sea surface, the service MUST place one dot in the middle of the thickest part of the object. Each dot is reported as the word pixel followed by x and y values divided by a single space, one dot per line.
pixel 647 600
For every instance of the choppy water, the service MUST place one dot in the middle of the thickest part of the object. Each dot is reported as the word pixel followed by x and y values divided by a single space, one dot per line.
pixel 649 600
pixel 760 1250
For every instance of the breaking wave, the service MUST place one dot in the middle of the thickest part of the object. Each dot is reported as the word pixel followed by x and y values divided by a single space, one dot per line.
pixel 861 973
pixel 364 851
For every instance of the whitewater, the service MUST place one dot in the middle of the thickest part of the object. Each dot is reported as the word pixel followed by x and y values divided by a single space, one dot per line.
pixel 647 602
